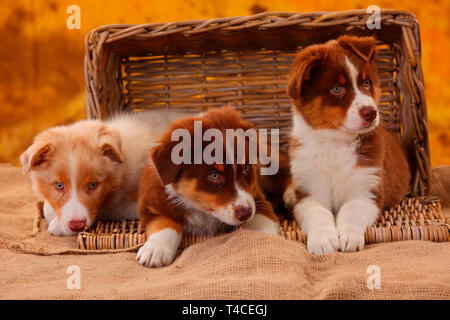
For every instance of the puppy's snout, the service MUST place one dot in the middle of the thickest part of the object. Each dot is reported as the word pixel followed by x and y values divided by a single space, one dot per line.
pixel 77 225
pixel 243 213
pixel 368 113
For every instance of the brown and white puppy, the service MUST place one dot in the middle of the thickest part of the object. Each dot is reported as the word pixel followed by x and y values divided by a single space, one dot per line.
pixel 198 198
pixel 92 168
pixel 345 166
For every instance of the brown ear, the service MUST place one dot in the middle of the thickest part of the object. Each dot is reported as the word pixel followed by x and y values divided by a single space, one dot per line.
pixel 363 47
pixel 162 160
pixel 302 70
pixel 35 155
pixel 110 144
pixel 111 152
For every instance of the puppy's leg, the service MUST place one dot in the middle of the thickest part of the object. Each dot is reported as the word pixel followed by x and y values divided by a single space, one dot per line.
pixel 163 239
pixel 265 219
pixel 352 221
pixel 318 224
pixel 289 196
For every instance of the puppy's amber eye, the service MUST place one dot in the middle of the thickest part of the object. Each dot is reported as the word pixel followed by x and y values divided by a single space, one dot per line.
pixel 245 168
pixel 215 177
pixel 59 186
pixel 367 83
pixel 337 90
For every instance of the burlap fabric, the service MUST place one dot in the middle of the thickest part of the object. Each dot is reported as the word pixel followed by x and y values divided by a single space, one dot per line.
pixel 241 265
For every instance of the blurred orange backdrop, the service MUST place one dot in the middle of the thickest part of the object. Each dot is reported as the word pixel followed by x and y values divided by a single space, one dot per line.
pixel 41 60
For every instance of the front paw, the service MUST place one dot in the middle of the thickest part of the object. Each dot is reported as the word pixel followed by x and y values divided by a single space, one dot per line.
pixel 322 240
pixel 264 224
pixel 155 254
pixel 350 238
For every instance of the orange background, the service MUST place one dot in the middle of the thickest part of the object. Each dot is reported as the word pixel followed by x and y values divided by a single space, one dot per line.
pixel 41 60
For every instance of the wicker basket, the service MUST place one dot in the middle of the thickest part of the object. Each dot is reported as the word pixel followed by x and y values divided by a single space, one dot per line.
pixel 197 65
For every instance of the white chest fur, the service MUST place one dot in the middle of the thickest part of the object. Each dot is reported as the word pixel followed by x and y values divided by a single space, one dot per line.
pixel 325 166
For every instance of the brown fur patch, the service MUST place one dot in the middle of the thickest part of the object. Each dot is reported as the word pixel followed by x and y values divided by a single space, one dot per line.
pixel 161 222
pixel 380 148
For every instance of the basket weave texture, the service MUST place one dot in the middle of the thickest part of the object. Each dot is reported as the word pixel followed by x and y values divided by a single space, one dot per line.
pixel 412 219
pixel 245 61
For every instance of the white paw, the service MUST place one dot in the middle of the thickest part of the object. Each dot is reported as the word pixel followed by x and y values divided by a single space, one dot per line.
pixel 264 224
pixel 322 240
pixel 155 254
pixel 350 238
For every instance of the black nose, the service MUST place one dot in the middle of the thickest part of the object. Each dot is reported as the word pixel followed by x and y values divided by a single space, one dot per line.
pixel 368 113
pixel 242 213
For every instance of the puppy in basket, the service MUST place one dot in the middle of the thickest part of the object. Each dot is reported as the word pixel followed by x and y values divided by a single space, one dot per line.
pixel 345 165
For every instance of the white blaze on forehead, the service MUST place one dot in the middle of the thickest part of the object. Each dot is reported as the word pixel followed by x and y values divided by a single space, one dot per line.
pixel 360 100
pixel 73 209
pixel 352 72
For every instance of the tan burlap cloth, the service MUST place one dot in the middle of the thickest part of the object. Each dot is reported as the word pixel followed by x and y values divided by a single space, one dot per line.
pixel 241 265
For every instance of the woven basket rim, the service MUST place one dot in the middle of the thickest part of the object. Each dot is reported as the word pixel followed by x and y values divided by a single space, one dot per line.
pixel 284 14
pixel 261 21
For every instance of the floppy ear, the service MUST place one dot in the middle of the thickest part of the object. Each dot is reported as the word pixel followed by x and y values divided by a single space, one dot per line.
pixel 110 145
pixel 35 155
pixel 161 157
pixel 302 70
pixel 363 47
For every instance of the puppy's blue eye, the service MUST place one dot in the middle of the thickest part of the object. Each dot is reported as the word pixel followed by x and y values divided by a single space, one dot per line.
pixel 59 186
pixel 215 177
pixel 337 91
pixel 92 185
